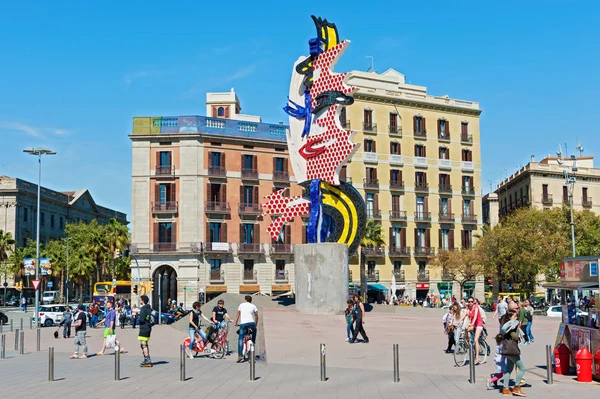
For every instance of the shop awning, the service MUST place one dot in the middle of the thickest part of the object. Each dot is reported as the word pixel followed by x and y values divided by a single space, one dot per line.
pixel 571 285
pixel 377 287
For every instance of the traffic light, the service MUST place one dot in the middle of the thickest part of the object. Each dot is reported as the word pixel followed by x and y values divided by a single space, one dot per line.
pixel 18 286
pixel 150 286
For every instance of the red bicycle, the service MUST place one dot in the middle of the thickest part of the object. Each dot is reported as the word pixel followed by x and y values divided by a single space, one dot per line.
pixel 220 336
pixel 216 350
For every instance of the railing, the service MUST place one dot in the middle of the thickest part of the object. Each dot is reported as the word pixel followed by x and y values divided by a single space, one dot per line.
pixel 446 217
pixel 249 276
pixel 346 124
pixel 395 129
pixel 423 216
pixel 370 157
pixel 399 275
pixel 396 185
pixel 373 214
pixel 586 202
pixel 444 164
pixel 165 170
pixel 398 215
pixel 444 136
pixel 421 187
pixel 217 207
pixel 547 199
pixel 466 138
pixel 447 276
pixel 469 218
pixel 467 166
pixel 217 276
pixel 217 247
pixel 423 275
pixel 424 251
pixel 250 174
pixel 164 247
pixel 445 188
pixel 421 134
pixel 398 251
pixel 396 159
pixel 420 162
pixel 373 276
pixel 467 190
pixel 373 251
pixel 250 209
pixel 370 183
pixel 217 171
pixel 369 127
pixel 281 276
pixel 280 175
pixel 250 248
pixel 281 249
pixel 167 206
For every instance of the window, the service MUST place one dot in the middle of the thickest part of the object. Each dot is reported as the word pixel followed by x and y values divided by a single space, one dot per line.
pixel 396 237
pixel 420 238
pixel 565 197
pixel 165 232
pixel 247 233
pixel 343 121
pixel 419 124
pixel 397 266
pixel 280 269
pixel 279 164
pixel 221 111
pixel 467 182
pixel 24 214
pixel 42 219
pixel 444 239
pixel 467 207
pixel 396 203
pixel 215 159
pixel 370 204
pixel 247 197
pixel 422 266
pixel 444 181
pixel 393 123
pixel 368 119
pixel 215 265
pixel 584 193
pixel 62 223
pixel 371 265
pixel 371 175
pixel 217 192
pixel 370 146
pixel 51 221
pixel 464 129
pixel 215 232
pixel 164 158
pixel 247 161
pixel 395 176
pixel 420 207
pixel 420 150
pixel 544 191
pixel 467 156
pixel 420 179
pixel 444 153
pixel 443 129
pixel 444 206
pixel 467 239
pixel 248 266
pixel 395 148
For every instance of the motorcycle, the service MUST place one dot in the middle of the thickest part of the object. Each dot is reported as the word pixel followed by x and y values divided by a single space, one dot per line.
pixel 180 313
pixel 166 318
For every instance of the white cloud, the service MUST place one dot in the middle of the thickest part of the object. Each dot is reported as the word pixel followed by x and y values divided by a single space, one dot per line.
pixel 60 132
pixel 131 77
pixel 242 73
pixel 32 131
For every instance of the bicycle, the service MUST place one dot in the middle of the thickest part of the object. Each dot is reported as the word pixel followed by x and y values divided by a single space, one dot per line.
pixel 216 351
pixel 247 344
pixel 221 336
pixel 461 351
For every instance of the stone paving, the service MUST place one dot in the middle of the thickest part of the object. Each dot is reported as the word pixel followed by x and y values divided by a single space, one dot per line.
pixel 354 371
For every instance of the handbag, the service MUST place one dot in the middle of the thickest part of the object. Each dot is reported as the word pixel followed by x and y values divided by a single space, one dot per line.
pixel 450 329
pixel 510 347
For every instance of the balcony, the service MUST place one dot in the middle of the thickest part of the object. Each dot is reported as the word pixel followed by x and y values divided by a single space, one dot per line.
pixel 445 188
pixel 421 135
pixel 250 209
pixel 217 207
pixel 444 137
pixel 217 171
pixel 420 162
pixel 281 276
pixel 217 276
pixel 446 217
pixel 422 216
pixel 249 174
pixel 469 219
pixel 217 248
pixel 447 276
pixel 282 249
pixel 399 276
pixel 164 207
pixel 252 248
pixel 424 251
pixel 444 164
pixel 396 185
pixel 165 170
pixel 371 183
pixel 586 202
pixel 370 157
pixel 468 190
pixel 466 139
pixel 374 214
pixel 372 276
pixel 547 199
pixel 423 275
pixel 373 252
pixel 396 159
pixel 345 124
pixel 369 127
pixel 397 130
pixel 566 201
pixel 398 216
pixel 467 166
pixel 164 247
pixel 250 276
pixel 421 187
pixel 395 251
pixel 281 176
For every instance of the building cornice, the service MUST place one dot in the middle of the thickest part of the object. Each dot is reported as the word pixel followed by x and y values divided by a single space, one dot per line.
pixel 202 137
pixel 415 104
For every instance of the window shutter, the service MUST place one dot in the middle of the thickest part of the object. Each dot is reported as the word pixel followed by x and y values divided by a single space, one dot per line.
pixel 375 203
pixel 391 148
pixel 210 159
pixel 207 236
pixel 256 234
pixel 448 128
pixel 439 125
pixel 343 173
pixel 242 199
pixel 399 149
pixel 156 233
pixel 424 151
pixel 424 178
pixel 471 182
pixel 440 246
pixel 464 128
pixel 391 230
pixel 440 153
pixel 447 153
pixel 242 240
pixel 423 126
pixel 224 193
pixel 400 177
pixel 395 203
pixel 285 164
pixel 255 162
pixel 375 173
pixel 255 189
pixel 414 124
pixel 275 165
pixel 173 193
pixel 426 204
pixel 157 193
pixel 169 159
pixel 288 234
pixel 427 238
pixel 208 193
pixel 416 238
pixel 223 230
pixel 374 146
pixel 242 163
pixel 158 159
pixel 451 239
pixel 222 160
pixel 450 205
pixel 403 237
pixel 174 232
pixel 365 145
pixel 226 112
pixel 416 151
pixel 303 234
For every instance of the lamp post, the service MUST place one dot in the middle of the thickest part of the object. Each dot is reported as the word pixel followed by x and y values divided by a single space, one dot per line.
pixel 67 282
pixel 38 152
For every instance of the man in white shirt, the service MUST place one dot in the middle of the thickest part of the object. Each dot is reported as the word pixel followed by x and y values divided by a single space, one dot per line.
pixel 247 315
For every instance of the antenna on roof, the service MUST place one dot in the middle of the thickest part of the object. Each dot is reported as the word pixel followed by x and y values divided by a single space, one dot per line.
pixel 372 67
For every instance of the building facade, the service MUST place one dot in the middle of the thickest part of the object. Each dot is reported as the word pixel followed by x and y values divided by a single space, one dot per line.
pixel 419 169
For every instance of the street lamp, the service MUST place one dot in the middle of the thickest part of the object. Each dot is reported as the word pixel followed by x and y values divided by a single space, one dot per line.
pixel 38 152
pixel 570 180
pixel 67 282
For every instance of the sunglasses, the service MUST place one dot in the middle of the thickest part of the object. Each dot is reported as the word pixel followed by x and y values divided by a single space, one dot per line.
pixel 470 301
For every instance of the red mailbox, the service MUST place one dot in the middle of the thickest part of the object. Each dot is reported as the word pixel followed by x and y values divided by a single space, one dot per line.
pixel 597 364
pixel 562 359
pixel 583 362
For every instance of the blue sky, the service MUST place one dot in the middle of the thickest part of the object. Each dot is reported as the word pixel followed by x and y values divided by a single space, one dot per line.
pixel 73 74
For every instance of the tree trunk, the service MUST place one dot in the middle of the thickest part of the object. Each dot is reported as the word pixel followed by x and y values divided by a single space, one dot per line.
pixel 363 277
pixel 462 285
pixel 62 284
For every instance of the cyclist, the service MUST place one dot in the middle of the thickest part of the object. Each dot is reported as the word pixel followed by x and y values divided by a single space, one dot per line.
pixel 475 324
pixel 194 326
pixel 247 315
pixel 220 316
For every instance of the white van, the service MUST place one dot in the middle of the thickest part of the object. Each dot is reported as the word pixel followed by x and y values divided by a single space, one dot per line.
pixel 50 297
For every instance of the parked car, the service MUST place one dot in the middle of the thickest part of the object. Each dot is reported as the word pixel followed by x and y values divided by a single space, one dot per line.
pixel 13 301
pixel 51 315
pixel 556 311
pixel 3 318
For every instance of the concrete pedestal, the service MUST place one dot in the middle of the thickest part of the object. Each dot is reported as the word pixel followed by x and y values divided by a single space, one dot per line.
pixel 321 272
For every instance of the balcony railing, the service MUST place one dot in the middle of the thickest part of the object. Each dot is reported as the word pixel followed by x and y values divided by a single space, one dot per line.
pixel 396 159
pixel 467 190
pixel 469 219
pixel 164 207
pixel 250 174
pixel 370 157
pixel 374 251
pixel 444 164
pixel 250 276
pixel 217 171
pixel 373 276
pixel 398 251
pixel 424 251
pixel 446 217
pixel 467 166
pixel 281 276
pixel 251 248
pixel 281 249
pixel 398 215
pixel 374 214
pixel 217 207
pixel 445 188
pixel 423 275
pixel 164 247
pixel 399 276
pixel 369 127
pixel 423 216
pixel 280 175
pixel 547 199
pixel 447 276
pixel 444 136
pixel 217 276
pixel 250 209
pixel 466 139
pixel 586 202
pixel 421 134
pixel 217 247
pixel 371 183
pixel 396 185
pixel 345 124
pixel 395 129
pixel 165 170
pixel 421 187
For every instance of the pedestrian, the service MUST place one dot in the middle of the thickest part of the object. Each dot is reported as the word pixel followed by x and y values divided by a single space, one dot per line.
pixel 348 314
pixel 110 339
pixel 512 352
pixel 529 317
pixel 247 316
pixel 80 330
pixel 358 314
pixel 458 321
pixel 523 317
pixel 24 304
pixel 145 330
pixel 122 316
pixel 94 315
pixel 66 322
pixel 501 309
pixel 500 364
pixel 135 313
pixel 448 320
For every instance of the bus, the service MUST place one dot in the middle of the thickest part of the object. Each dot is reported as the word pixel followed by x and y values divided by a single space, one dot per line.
pixel 123 288
pixel 28 292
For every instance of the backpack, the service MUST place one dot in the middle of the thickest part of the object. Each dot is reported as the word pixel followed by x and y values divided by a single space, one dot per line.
pixel 153 318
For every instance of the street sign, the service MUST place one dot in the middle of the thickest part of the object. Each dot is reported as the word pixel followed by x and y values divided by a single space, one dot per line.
pixel 187 288
pixel 50 283
pixel 36 284
pixel 5 284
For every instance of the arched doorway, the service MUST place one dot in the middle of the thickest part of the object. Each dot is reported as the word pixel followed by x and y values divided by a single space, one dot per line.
pixel 167 287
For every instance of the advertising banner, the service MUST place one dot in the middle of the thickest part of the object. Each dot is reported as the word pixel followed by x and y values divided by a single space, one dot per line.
pixel 45 267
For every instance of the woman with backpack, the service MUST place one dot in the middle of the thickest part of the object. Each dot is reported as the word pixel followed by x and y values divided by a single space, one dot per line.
pixel 511 334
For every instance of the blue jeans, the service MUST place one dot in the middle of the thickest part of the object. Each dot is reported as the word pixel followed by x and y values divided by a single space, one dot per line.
pixel 528 331
pixel 243 328
pixel 192 333
pixel 349 330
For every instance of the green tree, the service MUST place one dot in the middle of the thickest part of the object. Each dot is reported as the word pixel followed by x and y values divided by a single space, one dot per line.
pixel 56 250
pixel 16 260
pixel 461 266
pixel 117 237
pixel 372 238
pixel 7 244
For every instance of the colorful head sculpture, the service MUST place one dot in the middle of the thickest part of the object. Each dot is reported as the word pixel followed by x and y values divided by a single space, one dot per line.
pixel 319 146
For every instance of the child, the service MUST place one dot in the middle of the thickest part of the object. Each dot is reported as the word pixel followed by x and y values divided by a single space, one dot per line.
pixel 348 314
pixel 500 361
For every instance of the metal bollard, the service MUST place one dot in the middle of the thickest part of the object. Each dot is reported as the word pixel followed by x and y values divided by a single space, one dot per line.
pixel 181 363
pixel 472 363
pixel 21 324
pixel 17 339
pixel 323 363
pixel 550 375
pixel 39 339
pixel 3 347
pixel 118 365
pixel 31 323
pixel 252 365
pixel 1 326
pixel 51 364
pixel 396 363
pixel 11 325
pixel 22 346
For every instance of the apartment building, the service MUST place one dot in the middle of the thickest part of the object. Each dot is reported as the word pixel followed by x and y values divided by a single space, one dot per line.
pixel 198 182
pixel 419 169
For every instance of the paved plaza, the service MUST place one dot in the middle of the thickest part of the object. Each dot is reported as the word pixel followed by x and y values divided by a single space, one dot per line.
pixel 292 367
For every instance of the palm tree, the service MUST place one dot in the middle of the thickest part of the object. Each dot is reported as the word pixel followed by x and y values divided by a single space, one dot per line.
pixel 117 237
pixel 6 246
pixel 372 238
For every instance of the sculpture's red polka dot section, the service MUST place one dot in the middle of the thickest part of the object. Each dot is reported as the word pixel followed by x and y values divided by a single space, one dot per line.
pixel 278 205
